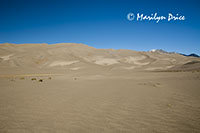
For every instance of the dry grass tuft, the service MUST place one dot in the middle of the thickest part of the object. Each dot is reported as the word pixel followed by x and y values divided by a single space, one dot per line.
pixel 33 79
pixel 41 80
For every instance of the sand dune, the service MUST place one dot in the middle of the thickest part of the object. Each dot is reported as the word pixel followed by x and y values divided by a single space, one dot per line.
pixel 64 55
pixel 6 57
pixel 76 88
pixel 106 61
pixel 62 63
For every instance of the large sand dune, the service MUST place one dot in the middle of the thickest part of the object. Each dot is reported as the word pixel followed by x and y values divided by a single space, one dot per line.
pixel 77 88
pixel 68 55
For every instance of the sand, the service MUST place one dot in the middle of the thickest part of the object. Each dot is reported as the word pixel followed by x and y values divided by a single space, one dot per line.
pixel 85 97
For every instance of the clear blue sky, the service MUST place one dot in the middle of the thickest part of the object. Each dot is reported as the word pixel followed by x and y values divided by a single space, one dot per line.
pixel 101 23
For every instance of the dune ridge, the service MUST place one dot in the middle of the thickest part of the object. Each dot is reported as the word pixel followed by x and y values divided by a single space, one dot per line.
pixel 68 54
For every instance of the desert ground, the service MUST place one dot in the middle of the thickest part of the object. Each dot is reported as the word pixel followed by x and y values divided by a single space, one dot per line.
pixel 63 88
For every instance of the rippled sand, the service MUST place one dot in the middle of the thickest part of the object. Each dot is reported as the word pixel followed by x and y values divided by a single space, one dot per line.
pixel 130 102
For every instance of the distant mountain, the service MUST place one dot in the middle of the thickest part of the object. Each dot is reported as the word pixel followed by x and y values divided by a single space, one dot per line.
pixel 192 55
pixel 163 51
pixel 158 50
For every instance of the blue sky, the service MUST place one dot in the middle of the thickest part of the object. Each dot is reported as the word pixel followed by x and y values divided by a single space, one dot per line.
pixel 101 23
